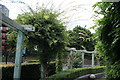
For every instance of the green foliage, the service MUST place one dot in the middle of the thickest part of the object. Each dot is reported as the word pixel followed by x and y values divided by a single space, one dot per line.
pixel 12 40
pixel 59 63
pixel 49 36
pixel 108 34
pixel 115 70
pixel 81 39
pixel 29 71
pixel 75 73
pixel 77 61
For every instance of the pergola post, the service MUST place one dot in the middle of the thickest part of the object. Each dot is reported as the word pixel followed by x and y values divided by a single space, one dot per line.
pixel 71 62
pixel 18 56
pixel 4 20
pixel 82 59
pixel 92 59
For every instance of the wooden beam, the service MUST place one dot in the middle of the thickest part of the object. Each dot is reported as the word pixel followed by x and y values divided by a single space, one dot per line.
pixel 10 23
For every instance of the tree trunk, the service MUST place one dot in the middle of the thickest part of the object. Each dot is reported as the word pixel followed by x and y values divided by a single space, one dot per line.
pixel 58 62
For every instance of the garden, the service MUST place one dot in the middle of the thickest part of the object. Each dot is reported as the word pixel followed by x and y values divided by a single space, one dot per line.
pixel 51 52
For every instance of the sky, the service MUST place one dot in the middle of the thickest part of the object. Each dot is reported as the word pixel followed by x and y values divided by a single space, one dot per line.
pixel 79 12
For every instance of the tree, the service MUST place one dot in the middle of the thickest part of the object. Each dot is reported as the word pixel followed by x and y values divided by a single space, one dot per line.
pixel 108 32
pixel 49 36
pixel 81 38
pixel 11 40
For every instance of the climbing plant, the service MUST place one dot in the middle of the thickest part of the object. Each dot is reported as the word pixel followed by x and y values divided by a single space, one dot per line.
pixel 49 37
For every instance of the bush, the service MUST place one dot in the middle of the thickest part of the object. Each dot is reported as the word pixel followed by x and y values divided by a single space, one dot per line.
pixel 77 61
pixel 29 71
pixel 75 73
pixel 113 71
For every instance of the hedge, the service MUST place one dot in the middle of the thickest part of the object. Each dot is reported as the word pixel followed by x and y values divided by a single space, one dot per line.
pixel 75 73
pixel 31 61
pixel 29 71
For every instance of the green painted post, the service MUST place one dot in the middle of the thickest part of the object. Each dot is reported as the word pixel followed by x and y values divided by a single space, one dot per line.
pixel 18 56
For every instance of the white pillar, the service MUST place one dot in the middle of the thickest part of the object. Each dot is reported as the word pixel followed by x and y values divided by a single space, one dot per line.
pixel 92 59
pixel 82 59
pixel 18 56
pixel 71 62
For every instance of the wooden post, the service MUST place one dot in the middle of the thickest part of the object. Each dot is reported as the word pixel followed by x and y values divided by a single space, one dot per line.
pixel 82 59
pixel 18 56
pixel 92 59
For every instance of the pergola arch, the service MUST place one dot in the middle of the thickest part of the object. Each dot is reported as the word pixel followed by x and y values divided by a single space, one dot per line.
pixel 4 20
pixel 83 52
pixel 89 52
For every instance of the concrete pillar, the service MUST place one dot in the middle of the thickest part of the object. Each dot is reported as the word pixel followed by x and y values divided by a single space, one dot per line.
pixel 82 59
pixel 71 59
pixel 92 59
pixel 18 56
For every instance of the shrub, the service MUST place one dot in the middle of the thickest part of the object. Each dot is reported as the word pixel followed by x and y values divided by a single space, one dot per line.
pixel 77 61
pixel 75 73
pixel 29 71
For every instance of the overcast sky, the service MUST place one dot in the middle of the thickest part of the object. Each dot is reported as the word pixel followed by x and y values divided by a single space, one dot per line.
pixel 81 13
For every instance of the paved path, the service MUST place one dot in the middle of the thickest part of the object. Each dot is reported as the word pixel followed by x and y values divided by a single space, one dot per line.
pixel 7 63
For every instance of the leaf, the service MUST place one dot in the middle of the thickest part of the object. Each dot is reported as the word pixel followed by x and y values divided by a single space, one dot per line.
pixel 46 17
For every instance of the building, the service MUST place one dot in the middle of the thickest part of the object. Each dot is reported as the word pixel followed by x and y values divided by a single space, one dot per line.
pixel 4 10
pixel 4 30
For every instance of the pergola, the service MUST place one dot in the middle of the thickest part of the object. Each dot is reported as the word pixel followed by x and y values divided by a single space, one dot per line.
pixel 18 55
pixel 89 52
pixel 83 52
